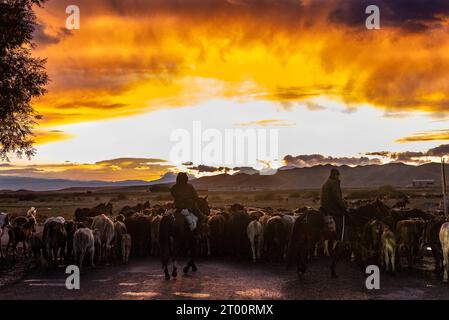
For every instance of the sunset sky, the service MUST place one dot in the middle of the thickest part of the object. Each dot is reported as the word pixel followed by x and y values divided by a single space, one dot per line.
pixel 337 92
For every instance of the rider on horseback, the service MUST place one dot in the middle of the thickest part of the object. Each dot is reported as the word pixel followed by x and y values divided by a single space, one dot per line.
pixel 332 203
pixel 186 197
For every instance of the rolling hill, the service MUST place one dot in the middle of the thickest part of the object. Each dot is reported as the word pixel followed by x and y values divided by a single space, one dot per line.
pixel 395 174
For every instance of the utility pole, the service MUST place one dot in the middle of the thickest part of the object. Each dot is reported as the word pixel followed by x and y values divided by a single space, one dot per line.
pixel 443 185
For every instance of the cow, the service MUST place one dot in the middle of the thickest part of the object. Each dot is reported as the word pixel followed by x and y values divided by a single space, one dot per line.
pixel 204 239
pixel 372 233
pixel 444 240
pixel 36 246
pixel 70 228
pixel 290 221
pixel 432 239
pixel 409 233
pixel 236 230
pixel 4 222
pixel 129 211
pixel 126 247
pixel 119 231
pixel 401 204
pixel 82 213
pixel 399 215
pixel 21 220
pixel 255 236
pixel 388 249
pixel 155 223
pixel 264 219
pixel 139 226
pixel 105 232
pixel 20 233
pixel 83 243
pixel 55 240
pixel 218 224
pixel 276 236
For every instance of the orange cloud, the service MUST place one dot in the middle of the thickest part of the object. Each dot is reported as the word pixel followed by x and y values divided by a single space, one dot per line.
pixel 108 170
pixel 265 123
pixel 140 56
pixel 44 137
pixel 431 135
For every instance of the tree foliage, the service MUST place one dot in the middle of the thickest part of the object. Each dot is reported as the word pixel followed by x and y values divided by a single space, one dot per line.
pixel 22 77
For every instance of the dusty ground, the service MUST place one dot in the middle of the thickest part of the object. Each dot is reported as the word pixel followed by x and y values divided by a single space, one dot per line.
pixel 224 279
pixel 11 271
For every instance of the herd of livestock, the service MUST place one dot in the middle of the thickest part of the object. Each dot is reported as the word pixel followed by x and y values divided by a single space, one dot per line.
pixel 373 233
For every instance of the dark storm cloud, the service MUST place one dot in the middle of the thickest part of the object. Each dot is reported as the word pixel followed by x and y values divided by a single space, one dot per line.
pixel 416 156
pixel 309 160
pixel 45 37
pixel 398 156
pixel 204 168
pixel 441 150
pixel 409 15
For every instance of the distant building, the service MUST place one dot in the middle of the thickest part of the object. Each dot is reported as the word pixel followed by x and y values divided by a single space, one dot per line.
pixel 424 183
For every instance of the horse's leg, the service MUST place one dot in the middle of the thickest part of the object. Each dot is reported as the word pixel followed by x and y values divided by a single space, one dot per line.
pixel 14 248
pixel 352 246
pixel 175 270
pixel 393 260
pixel 335 253
pixel 445 263
pixel 7 245
pixel 253 248
pixel 1 248
pixel 208 245
pixel 187 266
pixel 55 255
pixel 259 247
pixel 193 253
pixel 326 248
pixel 301 265
pixel 167 274
pixel 82 253
pixel 409 257
pixel 385 259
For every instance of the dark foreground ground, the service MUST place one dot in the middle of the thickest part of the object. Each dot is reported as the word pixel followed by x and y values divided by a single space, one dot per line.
pixel 224 279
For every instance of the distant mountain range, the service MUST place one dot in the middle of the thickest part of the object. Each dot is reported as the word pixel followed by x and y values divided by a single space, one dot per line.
pixel 395 174
pixel 10 183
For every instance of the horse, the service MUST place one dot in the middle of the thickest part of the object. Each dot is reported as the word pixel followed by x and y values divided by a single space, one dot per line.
pixel 312 226
pixel 55 239
pixel 176 236
pixel 308 229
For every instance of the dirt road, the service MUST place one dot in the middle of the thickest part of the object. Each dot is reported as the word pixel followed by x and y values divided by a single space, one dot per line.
pixel 223 279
